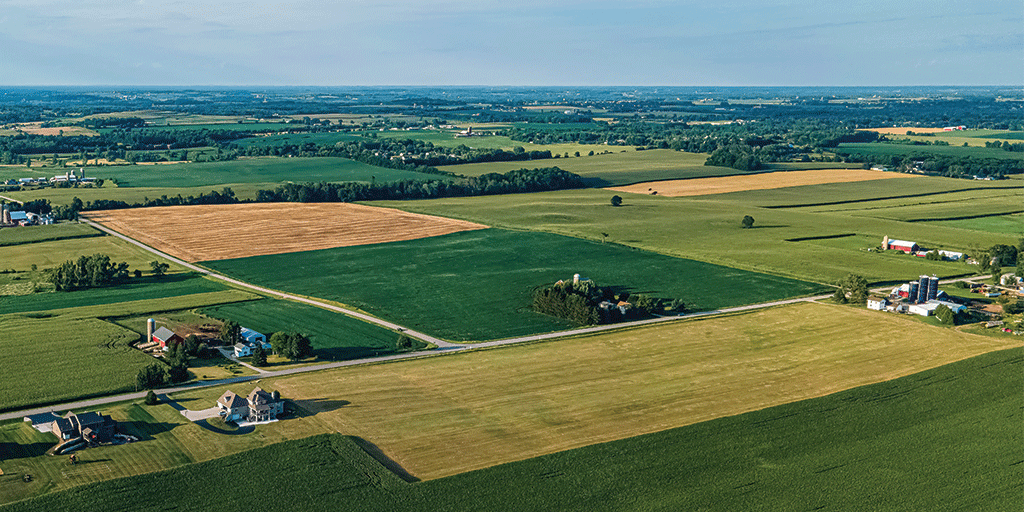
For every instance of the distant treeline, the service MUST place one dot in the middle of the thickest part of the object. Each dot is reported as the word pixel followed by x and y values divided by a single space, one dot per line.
pixel 949 166
pixel 512 182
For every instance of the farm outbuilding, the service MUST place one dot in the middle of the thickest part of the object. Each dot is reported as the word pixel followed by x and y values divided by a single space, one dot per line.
pixel 903 245
pixel 166 337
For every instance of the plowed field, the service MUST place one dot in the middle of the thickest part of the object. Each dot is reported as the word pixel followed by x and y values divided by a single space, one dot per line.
pixel 217 232
pixel 721 185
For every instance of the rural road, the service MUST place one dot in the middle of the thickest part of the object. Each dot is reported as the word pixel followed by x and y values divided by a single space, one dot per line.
pixel 444 347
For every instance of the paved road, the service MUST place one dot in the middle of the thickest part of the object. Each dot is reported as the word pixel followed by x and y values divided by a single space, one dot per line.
pixel 444 347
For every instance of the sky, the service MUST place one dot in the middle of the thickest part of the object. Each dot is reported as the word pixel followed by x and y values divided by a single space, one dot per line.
pixel 521 42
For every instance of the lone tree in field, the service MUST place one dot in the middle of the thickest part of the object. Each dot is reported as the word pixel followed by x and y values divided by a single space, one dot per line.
pixel 151 398
pixel 616 201
pixel 748 222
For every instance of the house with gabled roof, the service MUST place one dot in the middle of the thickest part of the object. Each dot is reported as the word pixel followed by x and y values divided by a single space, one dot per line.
pixel 258 406
pixel 233 407
pixel 91 426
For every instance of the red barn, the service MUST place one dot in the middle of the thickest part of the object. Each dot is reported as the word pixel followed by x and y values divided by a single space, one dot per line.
pixel 166 337
pixel 903 245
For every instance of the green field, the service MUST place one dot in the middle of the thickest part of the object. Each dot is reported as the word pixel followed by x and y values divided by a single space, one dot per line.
pixel 135 289
pixel 448 139
pixel 707 228
pixel 49 254
pixel 54 360
pixel 134 195
pixel 232 126
pixel 883 149
pixel 602 170
pixel 334 336
pixel 1005 224
pixel 868 448
pixel 328 138
pixel 477 285
pixel 33 234
pixel 253 170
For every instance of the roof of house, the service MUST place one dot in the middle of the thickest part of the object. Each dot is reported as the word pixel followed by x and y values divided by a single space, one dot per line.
pixel 89 418
pixel 241 345
pixel 877 298
pixel 258 396
pixel 247 333
pixel 230 400
pixel 164 334
pixel 64 425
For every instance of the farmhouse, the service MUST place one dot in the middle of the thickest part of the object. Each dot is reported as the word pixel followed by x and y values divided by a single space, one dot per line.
pixel 166 338
pixel 877 303
pixel 250 339
pixel 258 406
pixel 90 426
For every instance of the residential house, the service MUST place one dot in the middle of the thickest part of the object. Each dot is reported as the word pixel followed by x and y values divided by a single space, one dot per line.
pixel 258 406
pixel 91 426
pixel 243 350
pixel 877 303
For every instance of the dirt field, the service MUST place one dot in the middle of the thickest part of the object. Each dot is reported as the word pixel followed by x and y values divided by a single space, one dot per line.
pixel 216 232
pixel 704 186
pixel 67 131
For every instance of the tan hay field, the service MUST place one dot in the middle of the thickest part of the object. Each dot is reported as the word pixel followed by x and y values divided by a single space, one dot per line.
pixel 442 416
pixel 68 131
pixel 216 232
pixel 721 185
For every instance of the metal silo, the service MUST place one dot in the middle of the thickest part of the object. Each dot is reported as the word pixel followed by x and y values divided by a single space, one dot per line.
pixel 933 287
pixel 922 289
pixel 912 295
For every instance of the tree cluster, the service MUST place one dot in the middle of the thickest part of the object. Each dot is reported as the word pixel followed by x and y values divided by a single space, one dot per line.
pixel 292 345
pixel 851 289
pixel 578 303
pixel 87 272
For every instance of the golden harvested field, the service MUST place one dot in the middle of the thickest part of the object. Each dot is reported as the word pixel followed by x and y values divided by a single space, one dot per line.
pixel 721 185
pixel 216 232
pixel 67 131
pixel 447 415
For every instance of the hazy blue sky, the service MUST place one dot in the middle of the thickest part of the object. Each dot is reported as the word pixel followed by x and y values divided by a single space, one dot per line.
pixel 518 42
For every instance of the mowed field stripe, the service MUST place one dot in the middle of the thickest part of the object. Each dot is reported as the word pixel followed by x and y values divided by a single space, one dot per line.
pixel 216 232
pixel 725 184
pixel 443 416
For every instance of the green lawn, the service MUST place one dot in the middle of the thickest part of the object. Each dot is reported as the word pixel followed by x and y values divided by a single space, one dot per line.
pixel 334 336
pixel 33 234
pixel 602 170
pixel 897 445
pixel 135 289
pixel 707 228
pixel 477 285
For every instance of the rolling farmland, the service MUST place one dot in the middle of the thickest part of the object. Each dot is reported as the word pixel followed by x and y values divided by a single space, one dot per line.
pixel 721 185
pixel 51 253
pixel 477 285
pixel 866 447
pixel 46 233
pixel 270 228
pixel 135 289
pixel 252 170
pixel 707 228
pixel 443 416
pixel 614 168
